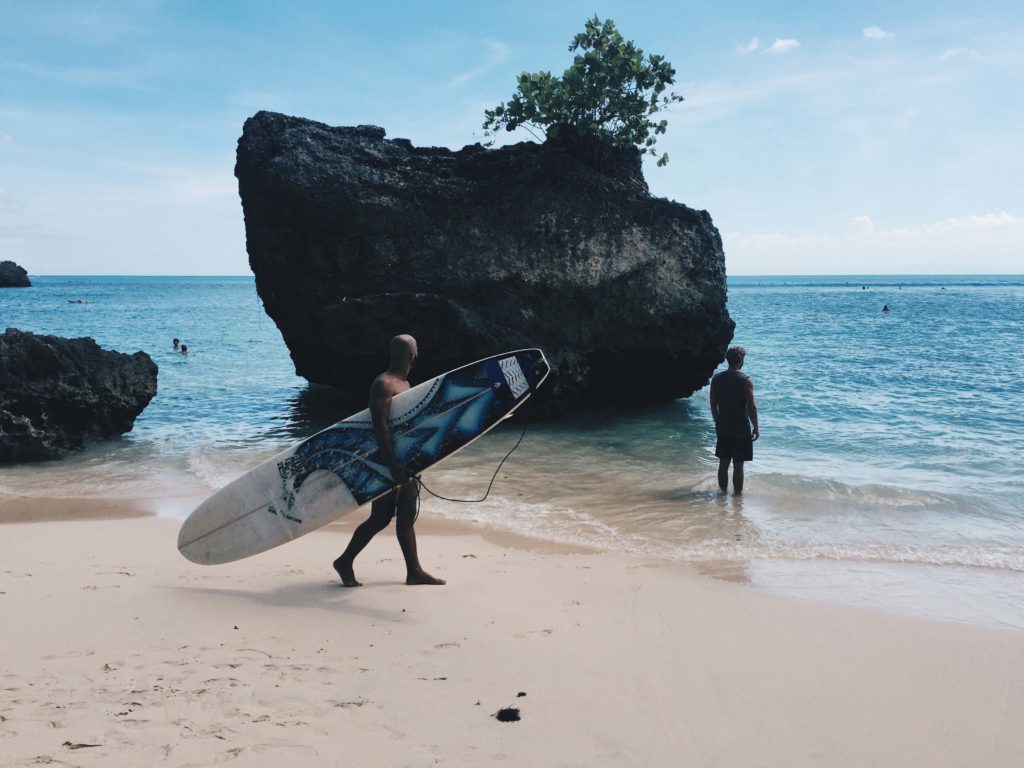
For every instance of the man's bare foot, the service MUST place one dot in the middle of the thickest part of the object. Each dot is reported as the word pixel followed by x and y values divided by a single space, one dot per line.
pixel 422 578
pixel 347 575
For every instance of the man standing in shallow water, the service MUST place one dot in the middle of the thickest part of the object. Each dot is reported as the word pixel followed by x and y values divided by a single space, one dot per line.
pixel 733 409
pixel 401 502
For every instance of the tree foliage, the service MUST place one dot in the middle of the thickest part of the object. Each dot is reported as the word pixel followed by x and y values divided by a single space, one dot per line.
pixel 611 91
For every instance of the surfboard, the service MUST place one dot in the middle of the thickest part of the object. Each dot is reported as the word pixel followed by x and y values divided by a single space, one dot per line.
pixel 340 469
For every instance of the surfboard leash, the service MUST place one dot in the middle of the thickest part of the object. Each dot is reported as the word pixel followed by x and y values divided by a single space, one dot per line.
pixel 489 485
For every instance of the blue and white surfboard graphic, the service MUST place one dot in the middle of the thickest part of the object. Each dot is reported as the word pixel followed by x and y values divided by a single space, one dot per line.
pixel 341 468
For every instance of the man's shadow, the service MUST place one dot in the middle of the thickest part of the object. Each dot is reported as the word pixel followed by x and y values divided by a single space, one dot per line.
pixel 319 595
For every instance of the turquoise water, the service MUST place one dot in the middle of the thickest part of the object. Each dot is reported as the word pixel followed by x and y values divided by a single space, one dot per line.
pixel 889 473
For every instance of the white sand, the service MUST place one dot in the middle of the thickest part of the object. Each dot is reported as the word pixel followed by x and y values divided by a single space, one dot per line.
pixel 110 638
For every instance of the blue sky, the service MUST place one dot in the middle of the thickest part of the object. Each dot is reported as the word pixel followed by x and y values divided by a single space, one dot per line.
pixel 823 138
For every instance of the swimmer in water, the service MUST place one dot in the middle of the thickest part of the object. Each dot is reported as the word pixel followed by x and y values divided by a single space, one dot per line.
pixel 184 349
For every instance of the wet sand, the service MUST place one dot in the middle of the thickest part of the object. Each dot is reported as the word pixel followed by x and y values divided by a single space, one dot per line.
pixel 33 509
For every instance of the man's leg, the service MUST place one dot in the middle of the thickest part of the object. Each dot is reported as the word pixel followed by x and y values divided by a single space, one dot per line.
pixel 380 516
pixel 737 476
pixel 723 474
pixel 407 501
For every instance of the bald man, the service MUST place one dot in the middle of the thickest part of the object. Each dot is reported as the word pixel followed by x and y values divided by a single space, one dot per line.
pixel 401 502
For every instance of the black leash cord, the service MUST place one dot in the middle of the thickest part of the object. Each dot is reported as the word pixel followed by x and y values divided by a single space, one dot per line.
pixel 489 485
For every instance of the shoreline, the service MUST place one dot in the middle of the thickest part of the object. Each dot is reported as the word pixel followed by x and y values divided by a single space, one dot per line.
pixel 956 594
pixel 884 503
pixel 53 509
pixel 123 644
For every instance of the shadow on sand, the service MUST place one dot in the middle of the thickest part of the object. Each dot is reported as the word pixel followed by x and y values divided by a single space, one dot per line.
pixel 326 595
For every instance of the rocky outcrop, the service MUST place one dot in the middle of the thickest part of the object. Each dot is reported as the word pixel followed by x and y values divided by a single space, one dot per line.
pixel 13 276
pixel 354 238
pixel 56 394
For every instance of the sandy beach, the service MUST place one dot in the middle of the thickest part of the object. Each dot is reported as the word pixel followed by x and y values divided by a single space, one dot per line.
pixel 116 651
pixel 264 260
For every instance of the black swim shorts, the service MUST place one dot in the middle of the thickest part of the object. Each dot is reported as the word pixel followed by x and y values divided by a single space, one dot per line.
pixel 406 501
pixel 738 446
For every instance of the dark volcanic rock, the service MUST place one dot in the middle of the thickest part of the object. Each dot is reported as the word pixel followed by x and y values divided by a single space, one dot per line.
pixel 58 394
pixel 13 276
pixel 354 238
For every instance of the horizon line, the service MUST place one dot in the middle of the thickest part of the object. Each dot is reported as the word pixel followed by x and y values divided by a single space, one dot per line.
pixel 748 274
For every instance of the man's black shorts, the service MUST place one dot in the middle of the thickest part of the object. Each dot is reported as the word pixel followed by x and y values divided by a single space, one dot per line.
pixel 738 446
pixel 406 502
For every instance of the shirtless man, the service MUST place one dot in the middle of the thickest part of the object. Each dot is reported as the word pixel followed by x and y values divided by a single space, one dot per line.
pixel 733 409
pixel 402 500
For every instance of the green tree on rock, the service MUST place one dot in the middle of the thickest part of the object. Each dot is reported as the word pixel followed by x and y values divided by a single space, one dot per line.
pixel 611 92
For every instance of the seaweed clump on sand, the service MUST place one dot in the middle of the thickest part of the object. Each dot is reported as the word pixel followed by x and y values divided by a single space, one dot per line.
pixel 507 715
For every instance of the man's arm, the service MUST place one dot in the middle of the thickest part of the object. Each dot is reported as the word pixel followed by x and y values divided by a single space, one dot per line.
pixel 752 407
pixel 714 406
pixel 380 412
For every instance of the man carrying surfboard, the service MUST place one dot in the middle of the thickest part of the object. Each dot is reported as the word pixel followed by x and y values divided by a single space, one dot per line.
pixel 734 410
pixel 402 501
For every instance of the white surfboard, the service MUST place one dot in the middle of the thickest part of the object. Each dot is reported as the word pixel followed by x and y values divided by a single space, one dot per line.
pixel 340 469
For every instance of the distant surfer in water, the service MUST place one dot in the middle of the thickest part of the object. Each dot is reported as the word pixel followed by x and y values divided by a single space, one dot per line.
pixel 402 501
pixel 734 410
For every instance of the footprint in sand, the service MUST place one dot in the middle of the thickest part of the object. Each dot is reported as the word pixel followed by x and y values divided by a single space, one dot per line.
pixel 360 702
pixel 524 635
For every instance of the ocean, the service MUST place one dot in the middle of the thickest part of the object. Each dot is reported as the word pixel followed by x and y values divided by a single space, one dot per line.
pixel 889 473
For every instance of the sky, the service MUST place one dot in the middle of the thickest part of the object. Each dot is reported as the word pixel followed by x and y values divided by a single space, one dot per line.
pixel 823 138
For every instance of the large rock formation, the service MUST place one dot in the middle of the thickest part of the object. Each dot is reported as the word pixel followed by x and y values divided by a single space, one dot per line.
pixel 58 394
pixel 354 238
pixel 13 276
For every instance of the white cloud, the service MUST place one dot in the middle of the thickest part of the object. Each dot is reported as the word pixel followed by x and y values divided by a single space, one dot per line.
pixel 783 45
pixel 709 93
pixel 876 33
pixel 993 222
pixel 952 53
pixel 863 225
pixel 753 45
pixel 6 138
pixel 983 243
pixel 498 53
pixel 713 101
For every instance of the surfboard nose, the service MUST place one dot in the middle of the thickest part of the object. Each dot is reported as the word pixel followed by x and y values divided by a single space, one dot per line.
pixel 543 367
pixel 517 375
pixel 535 366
